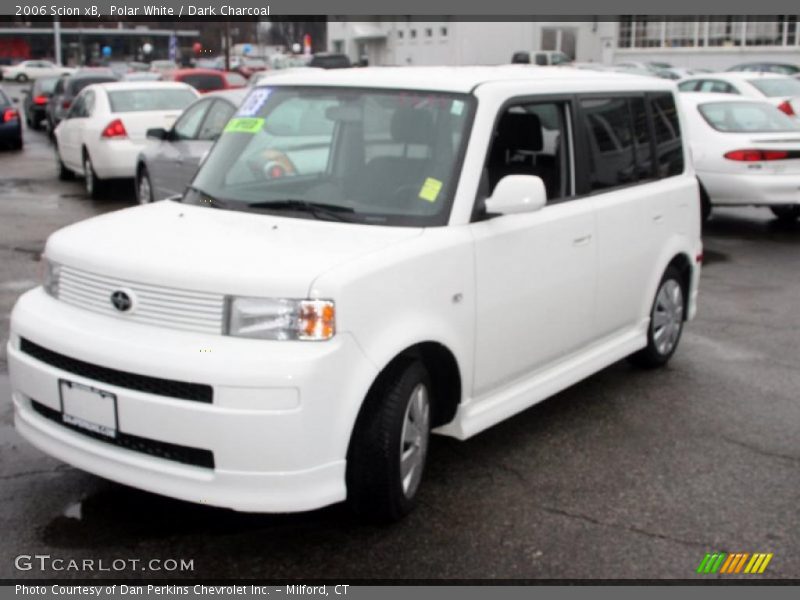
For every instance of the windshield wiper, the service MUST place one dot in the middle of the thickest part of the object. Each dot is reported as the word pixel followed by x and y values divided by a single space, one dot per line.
pixel 203 198
pixel 317 209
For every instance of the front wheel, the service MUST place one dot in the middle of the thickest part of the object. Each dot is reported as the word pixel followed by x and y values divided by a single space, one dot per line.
pixel 21 78
pixel 787 214
pixel 144 189
pixel 666 322
pixel 389 447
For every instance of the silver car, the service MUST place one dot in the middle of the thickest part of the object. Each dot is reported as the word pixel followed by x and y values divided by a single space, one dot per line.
pixel 167 165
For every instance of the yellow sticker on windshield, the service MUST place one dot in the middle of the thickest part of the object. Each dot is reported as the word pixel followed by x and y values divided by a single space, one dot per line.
pixel 430 189
pixel 244 125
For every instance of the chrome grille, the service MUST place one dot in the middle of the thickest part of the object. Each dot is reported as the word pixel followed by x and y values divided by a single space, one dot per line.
pixel 154 305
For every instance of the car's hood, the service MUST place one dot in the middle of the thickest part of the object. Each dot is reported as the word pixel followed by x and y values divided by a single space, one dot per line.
pixel 198 248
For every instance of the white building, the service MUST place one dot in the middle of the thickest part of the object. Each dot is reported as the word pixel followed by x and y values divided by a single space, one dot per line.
pixel 700 42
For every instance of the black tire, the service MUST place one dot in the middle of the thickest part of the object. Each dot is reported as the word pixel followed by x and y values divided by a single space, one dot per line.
pixel 144 186
pixel 375 486
pixel 705 206
pixel 17 144
pixel 21 78
pixel 93 185
pixel 64 174
pixel 666 314
pixel 787 214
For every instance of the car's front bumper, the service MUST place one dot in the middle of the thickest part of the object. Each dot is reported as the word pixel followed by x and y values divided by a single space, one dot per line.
pixel 277 428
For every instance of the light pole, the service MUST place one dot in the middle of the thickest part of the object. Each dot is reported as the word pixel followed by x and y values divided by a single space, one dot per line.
pixel 57 40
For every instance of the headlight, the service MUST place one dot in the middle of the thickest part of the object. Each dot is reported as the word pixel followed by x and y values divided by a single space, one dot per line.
pixel 281 318
pixel 51 273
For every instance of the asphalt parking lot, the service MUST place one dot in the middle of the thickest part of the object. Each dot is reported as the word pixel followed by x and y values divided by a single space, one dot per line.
pixel 629 474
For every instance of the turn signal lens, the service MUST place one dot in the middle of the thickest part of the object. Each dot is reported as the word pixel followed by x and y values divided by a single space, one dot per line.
pixel 317 319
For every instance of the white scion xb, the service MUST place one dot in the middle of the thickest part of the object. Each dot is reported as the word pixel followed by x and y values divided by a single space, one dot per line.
pixel 365 256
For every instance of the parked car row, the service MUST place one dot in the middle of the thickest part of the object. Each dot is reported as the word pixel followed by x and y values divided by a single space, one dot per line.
pixel 106 127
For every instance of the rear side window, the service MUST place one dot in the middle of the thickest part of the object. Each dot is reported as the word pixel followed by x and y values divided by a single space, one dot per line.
pixel 609 126
pixel 219 114
pixel 717 87
pixel 687 86
pixel 76 85
pixel 204 82
pixel 669 145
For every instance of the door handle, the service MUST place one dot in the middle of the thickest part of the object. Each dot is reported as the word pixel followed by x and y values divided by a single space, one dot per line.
pixel 658 218
pixel 582 241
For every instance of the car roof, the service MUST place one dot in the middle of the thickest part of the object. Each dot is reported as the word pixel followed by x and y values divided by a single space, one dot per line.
pixel 456 79
pixel 196 71
pixel 738 76
pixel 235 95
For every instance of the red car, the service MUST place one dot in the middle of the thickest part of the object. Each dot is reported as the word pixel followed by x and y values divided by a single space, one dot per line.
pixel 208 80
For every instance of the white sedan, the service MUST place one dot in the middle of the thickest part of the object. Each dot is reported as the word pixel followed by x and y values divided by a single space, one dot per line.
pixel 33 69
pixel 107 124
pixel 778 90
pixel 745 151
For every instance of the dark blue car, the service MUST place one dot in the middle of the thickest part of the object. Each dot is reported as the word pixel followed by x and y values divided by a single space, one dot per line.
pixel 10 123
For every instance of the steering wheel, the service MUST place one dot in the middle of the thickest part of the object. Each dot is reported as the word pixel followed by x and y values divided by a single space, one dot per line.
pixel 402 193
pixel 271 164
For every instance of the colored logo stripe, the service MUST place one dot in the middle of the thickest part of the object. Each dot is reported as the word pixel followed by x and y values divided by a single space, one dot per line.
pixel 723 563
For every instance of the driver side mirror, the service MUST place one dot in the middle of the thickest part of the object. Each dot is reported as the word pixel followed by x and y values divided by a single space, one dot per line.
pixel 517 194
pixel 157 133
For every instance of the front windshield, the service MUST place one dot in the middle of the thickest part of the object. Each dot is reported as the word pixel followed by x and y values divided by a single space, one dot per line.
pixel 368 156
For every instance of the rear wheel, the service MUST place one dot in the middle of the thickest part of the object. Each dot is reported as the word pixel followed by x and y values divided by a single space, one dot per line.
pixel 17 144
pixel 21 78
pixel 788 213
pixel 92 184
pixel 389 447
pixel 64 174
pixel 666 322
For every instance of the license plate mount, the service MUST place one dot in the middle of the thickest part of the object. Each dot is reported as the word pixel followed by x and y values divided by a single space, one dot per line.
pixel 88 408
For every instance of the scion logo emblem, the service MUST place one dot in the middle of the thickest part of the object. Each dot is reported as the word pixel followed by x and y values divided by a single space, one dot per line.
pixel 121 300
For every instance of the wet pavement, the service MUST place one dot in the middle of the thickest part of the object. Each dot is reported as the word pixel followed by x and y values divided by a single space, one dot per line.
pixel 627 474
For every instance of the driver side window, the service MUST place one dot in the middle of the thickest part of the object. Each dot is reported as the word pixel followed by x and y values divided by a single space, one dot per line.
pixel 186 126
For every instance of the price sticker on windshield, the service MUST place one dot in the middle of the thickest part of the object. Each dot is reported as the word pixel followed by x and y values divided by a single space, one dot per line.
pixel 244 125
pixel 430 189
pixel 253 103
